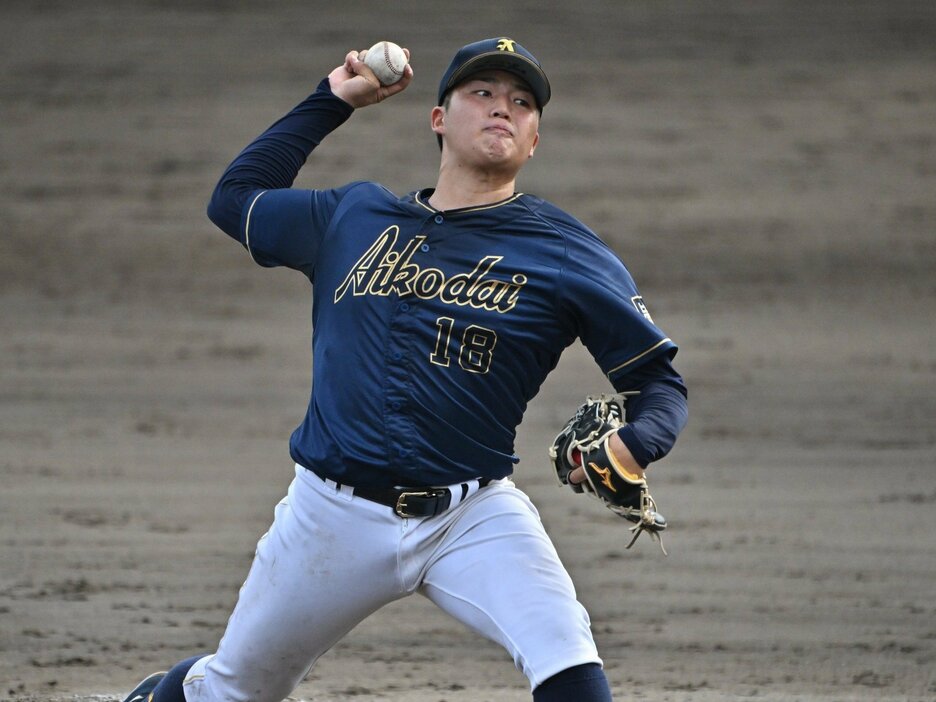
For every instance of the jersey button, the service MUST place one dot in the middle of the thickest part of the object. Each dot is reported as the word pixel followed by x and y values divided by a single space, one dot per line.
pixel 439 219
pixel 424 248
pixel 395 404
pixel 396 355
pixel 404 307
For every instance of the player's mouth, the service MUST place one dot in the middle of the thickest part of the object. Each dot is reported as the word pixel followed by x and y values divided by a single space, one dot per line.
pixel 500 129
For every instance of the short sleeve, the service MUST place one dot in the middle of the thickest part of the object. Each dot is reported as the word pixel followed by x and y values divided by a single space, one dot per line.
pixel 610 316
pixel 285 227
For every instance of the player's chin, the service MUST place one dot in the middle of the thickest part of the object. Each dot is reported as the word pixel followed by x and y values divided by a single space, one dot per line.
pixel 503 168
pixel 502 151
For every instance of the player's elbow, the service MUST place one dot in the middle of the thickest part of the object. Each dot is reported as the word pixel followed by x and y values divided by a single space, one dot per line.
pixel 215 211
pixel 224 212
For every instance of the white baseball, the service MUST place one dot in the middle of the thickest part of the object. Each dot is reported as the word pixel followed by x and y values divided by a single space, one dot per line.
pixel 387 61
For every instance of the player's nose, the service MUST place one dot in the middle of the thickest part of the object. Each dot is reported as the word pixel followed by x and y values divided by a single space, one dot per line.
pixel 501 107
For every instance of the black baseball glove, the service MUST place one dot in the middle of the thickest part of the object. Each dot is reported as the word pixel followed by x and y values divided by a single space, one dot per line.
pixel 585 442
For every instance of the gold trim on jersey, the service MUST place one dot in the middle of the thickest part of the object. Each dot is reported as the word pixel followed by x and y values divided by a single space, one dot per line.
pixel 432 209
pixel 639 356
pixel 247 225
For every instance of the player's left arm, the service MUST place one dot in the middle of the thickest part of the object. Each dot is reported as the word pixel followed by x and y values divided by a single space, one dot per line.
pixel 603 307
pixel 655 415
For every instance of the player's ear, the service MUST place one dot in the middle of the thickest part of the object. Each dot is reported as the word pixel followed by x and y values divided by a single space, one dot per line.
pixel 533 147
pixel 437 120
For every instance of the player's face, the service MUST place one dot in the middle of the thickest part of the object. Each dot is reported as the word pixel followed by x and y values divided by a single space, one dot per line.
pixel 491 121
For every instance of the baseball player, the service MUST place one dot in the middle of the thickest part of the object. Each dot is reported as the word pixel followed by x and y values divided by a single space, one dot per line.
pixel 436 318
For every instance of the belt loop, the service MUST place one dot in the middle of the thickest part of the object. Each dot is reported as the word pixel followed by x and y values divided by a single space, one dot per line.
pixel 345 491
pixel 461 492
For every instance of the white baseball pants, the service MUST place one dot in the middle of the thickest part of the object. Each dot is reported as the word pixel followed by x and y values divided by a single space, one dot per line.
pixel 330 559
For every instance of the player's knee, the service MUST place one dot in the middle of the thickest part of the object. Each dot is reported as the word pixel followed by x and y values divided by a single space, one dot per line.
pixel 582 683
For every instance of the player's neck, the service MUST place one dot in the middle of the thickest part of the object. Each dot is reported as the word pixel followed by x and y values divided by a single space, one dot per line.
pixel 459 188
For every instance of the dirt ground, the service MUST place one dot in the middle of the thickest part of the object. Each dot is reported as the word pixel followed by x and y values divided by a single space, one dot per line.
pixel 766 169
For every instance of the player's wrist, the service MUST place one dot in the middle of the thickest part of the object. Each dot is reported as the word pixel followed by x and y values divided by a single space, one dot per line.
pixel 631 442
pixel 623 456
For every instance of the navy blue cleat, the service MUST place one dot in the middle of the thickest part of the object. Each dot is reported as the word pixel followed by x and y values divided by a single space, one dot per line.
pixel 142 692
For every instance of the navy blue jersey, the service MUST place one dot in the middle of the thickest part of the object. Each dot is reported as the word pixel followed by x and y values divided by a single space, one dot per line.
pixel 433 330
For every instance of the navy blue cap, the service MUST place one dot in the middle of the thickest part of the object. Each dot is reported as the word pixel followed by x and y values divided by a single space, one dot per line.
pixel 502 54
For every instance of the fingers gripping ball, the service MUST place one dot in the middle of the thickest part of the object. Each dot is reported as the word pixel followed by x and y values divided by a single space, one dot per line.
pixel 387 61
pixel 585 442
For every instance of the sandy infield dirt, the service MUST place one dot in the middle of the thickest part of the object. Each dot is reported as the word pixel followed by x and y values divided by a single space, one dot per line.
pixel 766 169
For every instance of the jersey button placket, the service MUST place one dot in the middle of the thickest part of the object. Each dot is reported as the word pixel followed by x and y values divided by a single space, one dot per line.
pixel 398 425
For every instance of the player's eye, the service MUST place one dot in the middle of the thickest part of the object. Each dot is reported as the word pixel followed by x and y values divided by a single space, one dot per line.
pixel 483 92
pixel 523 102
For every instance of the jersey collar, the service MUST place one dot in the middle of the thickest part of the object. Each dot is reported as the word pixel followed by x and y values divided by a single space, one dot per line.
pixel 421 198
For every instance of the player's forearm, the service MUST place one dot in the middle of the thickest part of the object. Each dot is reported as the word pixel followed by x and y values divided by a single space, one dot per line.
pixel 274 158
pixel 655 418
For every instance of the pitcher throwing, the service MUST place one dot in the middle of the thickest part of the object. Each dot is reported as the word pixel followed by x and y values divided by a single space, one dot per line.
pixel 436 318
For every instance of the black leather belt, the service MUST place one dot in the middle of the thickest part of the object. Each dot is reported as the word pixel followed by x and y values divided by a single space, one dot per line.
pixel 414 502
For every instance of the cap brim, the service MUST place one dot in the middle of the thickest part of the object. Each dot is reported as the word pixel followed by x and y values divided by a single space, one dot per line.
pixel 517 64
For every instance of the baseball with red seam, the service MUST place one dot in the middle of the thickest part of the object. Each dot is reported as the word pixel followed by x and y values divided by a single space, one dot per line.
pixel 387 60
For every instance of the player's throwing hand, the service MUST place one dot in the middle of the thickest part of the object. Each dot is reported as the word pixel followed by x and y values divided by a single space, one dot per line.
pixel 357 85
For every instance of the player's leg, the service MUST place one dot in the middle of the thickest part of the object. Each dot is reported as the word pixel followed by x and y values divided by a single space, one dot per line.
pixel 498 572
pixel 164 687
pixel 583 683
pixel 326 563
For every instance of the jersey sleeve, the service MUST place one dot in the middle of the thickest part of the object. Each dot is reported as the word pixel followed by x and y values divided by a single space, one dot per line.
pixel 607 311
pixel 285 227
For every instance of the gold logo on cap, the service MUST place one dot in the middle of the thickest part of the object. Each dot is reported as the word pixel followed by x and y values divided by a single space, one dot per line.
pixel 506 44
